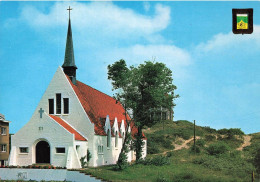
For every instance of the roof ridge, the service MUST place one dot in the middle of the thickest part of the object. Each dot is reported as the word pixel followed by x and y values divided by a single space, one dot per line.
pixel 99 91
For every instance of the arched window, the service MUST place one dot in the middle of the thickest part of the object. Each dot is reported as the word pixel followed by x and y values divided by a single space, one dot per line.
pixel 116 140
pixel 108 138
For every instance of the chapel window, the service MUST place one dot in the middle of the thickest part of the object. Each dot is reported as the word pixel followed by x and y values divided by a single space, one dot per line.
pixel 60 150
pixel 108 138
pixel 116 140
pixel 58 103
pixel 3 131
pixel 66 105
pixel 24 150
pixel 51 106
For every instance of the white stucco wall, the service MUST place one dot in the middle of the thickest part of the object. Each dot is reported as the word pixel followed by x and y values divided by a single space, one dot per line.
pixel 77 116
pixel 30 135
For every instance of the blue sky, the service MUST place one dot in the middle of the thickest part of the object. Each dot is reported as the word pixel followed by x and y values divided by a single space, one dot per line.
pixel 216 72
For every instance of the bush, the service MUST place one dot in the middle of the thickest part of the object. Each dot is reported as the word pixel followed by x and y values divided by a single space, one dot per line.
pixel 200 143
pixel 169 154
pixel 231 132
pixel 217 148
pixel 195 149
pixel 157 161
pixel 210 130
pixel 210 138
pixel 167 143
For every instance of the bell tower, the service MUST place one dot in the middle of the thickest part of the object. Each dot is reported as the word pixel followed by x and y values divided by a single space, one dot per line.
pixel 69 66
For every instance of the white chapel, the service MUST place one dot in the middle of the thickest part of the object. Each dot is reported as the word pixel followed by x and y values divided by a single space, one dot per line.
pixel 70 119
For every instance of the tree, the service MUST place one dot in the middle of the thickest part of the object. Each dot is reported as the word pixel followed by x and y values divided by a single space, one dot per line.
pixel 120 76
pixel 144 90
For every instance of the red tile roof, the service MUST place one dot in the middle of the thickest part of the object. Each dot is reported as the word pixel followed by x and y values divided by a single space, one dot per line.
pixel 98 105
pixel 68 127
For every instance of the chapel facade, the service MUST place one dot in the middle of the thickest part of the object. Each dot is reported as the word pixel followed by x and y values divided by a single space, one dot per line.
pixel 71 119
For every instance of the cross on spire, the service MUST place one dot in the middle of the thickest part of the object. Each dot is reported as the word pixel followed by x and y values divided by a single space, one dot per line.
pixel 69 11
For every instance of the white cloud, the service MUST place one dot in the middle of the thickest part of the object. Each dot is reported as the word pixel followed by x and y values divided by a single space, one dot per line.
pixel 169 54
pixel 222 42
pixel 175 58
pixel 99 15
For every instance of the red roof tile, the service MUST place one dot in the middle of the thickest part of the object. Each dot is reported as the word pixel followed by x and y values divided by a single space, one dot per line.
pixel 98 105
pixel 68 127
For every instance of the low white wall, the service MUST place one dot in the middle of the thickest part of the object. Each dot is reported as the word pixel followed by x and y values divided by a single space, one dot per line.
pixel 44 174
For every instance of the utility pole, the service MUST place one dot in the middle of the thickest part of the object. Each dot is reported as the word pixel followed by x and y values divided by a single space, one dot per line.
pixel 194 138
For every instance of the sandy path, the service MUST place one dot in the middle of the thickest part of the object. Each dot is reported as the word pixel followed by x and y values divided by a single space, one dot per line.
pixel 246 143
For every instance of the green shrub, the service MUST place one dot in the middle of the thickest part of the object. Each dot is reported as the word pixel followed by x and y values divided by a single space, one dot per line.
pixel 167 143
pixel 200 143
pixel 169 154
pixel 210 138
pixel 217 148
pixel 231 132
pixel 157 161
pixel 209 130
pixel 194 149
pixel 223 131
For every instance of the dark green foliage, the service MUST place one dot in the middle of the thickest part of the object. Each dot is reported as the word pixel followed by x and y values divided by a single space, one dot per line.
pixel 83 161
pixel 217 148
pixel 157 141
pixel 210 138
pixel 89 155
pixel 169 154
pixel 158 160
pixel 194 149
pixel 145 90
pixel 209 130
pixel 231 132
pixel 200 142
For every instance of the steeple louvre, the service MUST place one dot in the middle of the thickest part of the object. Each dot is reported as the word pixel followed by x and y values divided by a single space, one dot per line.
pixel 69 66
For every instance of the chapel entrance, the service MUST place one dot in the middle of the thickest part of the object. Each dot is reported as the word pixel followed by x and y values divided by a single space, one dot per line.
pixel 42 152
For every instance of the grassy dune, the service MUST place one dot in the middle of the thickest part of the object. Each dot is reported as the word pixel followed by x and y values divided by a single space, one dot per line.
pixel 217 157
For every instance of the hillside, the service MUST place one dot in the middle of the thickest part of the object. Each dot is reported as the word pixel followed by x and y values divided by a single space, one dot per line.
pixel 220 155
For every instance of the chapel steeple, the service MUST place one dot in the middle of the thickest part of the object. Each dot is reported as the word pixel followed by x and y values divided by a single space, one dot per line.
pixel 69 66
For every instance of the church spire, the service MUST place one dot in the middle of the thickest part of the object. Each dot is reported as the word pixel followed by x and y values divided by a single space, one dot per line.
pixel 69 66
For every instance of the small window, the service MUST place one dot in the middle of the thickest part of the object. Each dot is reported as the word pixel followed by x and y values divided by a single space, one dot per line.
pixel 108 138
pixel 24 150
pixel 66 105
pixel 3 131
pixel 60 150
pixel 3 148
pixel 51 106
pixel 100 149
pixel 116 140
pixel 58 103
